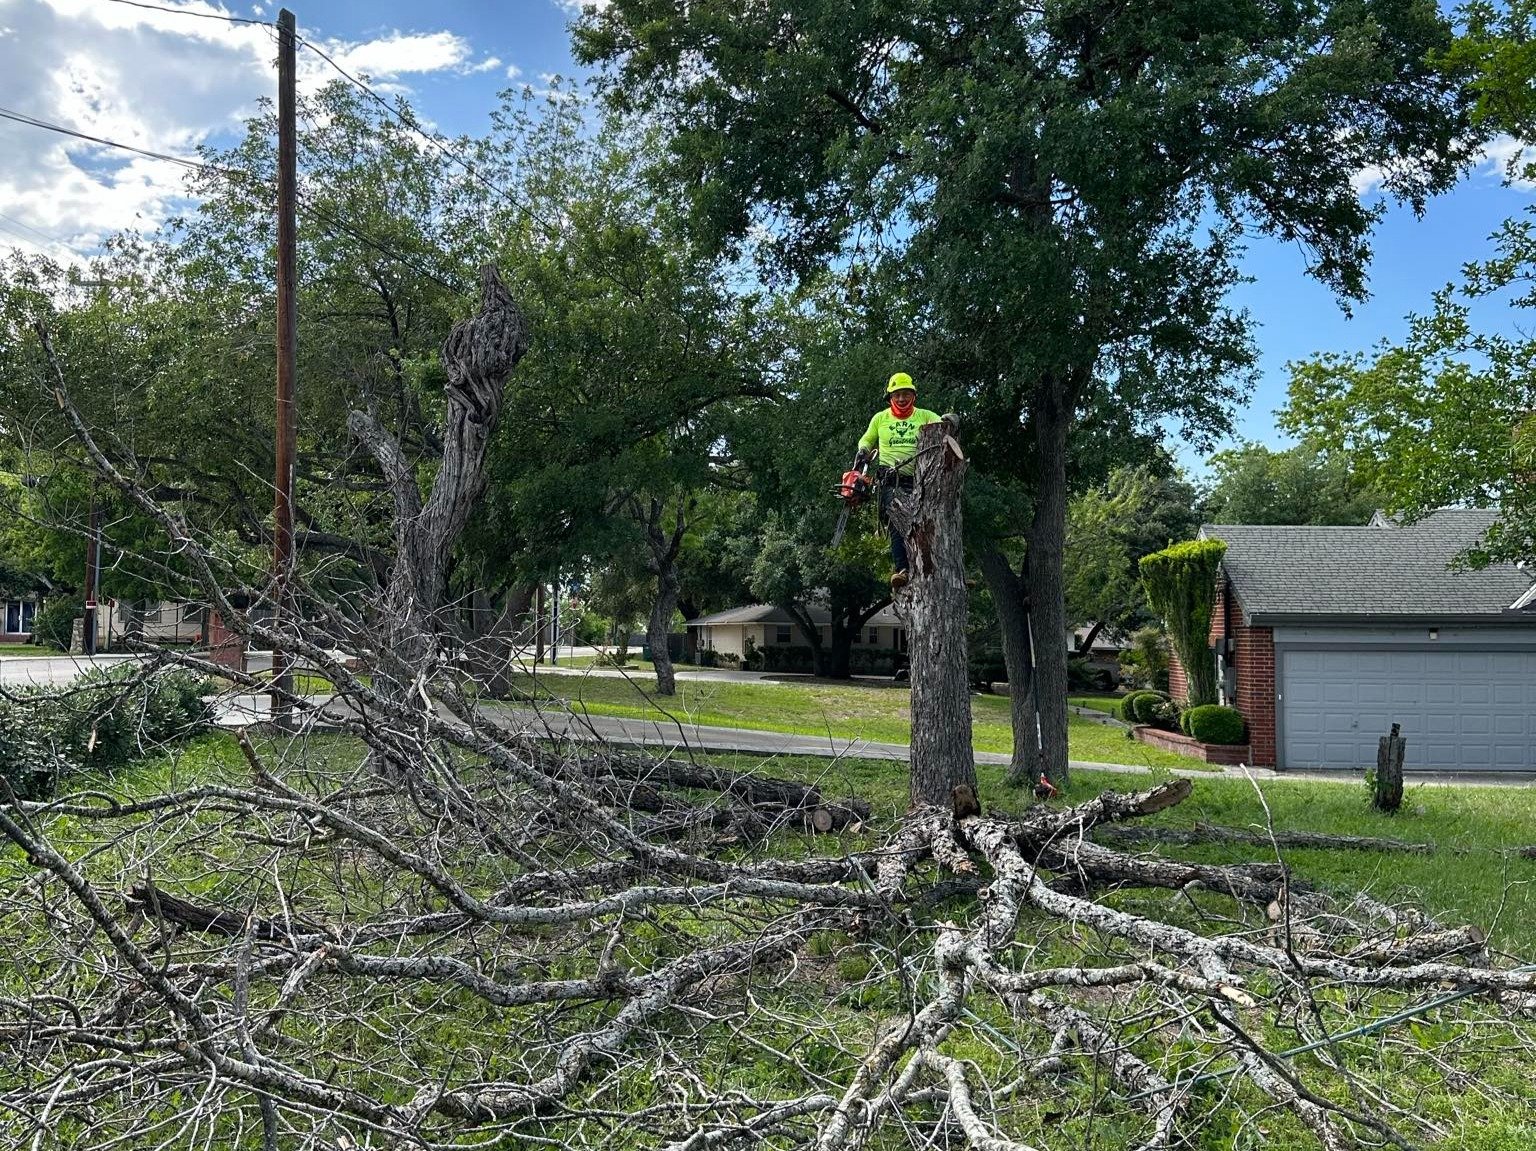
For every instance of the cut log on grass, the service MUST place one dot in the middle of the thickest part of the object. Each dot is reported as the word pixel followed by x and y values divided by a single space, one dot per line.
pixel 1210 833
pixel 934 604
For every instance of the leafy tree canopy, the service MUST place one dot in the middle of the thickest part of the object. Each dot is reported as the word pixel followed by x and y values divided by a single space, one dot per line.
pixel 1255 484
pixel 1137 510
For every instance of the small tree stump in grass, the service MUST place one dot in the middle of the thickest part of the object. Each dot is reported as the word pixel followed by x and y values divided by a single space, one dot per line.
pixel 1387 787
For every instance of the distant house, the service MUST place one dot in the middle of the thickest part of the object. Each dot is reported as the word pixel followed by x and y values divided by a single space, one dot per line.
pixel 17 611
pixel 1326 636
pixel 727 632
pixel 151 621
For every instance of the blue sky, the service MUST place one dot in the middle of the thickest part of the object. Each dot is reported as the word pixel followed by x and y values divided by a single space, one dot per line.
pixel 171 81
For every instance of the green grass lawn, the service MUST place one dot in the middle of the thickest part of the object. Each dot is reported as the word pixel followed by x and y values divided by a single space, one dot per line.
pixel 18 650
pixel 870 711
pixel 1108 704
pixel 634 663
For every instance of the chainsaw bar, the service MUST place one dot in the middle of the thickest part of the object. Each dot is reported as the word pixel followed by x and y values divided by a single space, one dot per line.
pixel 842 526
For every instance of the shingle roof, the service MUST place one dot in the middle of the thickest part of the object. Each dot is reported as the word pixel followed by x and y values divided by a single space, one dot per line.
pixel 768 613
pixel 1378 572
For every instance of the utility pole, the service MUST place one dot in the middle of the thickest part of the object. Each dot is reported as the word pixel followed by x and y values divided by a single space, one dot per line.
pixel 287 323
pixel 92 577
pixel 538 626
pixel 554 631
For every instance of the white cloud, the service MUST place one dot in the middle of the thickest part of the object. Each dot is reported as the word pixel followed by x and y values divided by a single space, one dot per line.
pixel 1509 159
pixel 1368 179
pixel 580 7
pixel 401 52
pixel 157 80
pixel 513 71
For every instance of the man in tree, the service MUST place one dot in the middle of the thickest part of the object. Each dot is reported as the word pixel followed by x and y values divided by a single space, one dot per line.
pixel 891 439
pixel 1058 193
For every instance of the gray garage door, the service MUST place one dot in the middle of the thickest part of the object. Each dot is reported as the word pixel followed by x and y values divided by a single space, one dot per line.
pixel 1459 709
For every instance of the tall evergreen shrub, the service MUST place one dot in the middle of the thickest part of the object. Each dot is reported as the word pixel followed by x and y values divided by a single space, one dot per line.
pixel 1181 587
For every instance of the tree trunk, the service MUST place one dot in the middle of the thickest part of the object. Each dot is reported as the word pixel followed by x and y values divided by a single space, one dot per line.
pixel 1043 579
pixel 1086 648
pixel 479 355
pixel 820 660
pixel 840 661
pixel 660 625
pixel 494 639
pixel 664 548
pixel 936 604
pixel 1018 656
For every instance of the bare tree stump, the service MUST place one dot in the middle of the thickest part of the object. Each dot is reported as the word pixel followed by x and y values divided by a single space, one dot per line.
pixel 1387 785
pixel 934 603
pixel 479 354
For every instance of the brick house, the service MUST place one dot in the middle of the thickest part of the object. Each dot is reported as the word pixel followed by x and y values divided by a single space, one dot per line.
pixel 1325 636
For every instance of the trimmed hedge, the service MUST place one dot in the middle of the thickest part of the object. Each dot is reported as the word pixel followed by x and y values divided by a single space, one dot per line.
pixel 1132 708
pixel 1147 706
pixel 104 720
pixel 1180 582
pixel 1212 723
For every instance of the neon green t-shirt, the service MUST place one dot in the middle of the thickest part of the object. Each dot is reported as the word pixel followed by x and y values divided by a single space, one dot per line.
pixel 896 439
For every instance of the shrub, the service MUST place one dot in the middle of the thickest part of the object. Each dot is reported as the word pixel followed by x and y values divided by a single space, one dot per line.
pixel 1145 707
pixel 1131 706
pixel 55 624
pixel 1145 665
pixel 105 719
pixel 1166 714
pixel 1180 582
pixel 1212 723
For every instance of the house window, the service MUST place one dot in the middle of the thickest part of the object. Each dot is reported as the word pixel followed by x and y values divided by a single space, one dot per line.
pixel 901 639
pixel 781 634
pixel 19 615
pixel 190 611
pixel 874 636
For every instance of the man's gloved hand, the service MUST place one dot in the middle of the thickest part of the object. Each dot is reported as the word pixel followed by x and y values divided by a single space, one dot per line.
pixel 851 480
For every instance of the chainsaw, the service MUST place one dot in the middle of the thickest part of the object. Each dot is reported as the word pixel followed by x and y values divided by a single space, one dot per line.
pixel 854 490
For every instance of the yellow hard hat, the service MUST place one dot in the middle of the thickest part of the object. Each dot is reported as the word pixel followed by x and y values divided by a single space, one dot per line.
pixel 898 381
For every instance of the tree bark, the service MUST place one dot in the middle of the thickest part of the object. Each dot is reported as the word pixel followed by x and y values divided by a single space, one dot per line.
pixel 1012 608
pixel 494 638
pixel 1043 578
pixel 936 603
pixel 664 547
pixel 479 354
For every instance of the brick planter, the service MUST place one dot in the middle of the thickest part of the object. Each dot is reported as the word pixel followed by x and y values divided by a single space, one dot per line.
pixel 1226 754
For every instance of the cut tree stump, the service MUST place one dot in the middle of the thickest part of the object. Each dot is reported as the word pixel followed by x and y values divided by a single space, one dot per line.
pixel 1387 788
pixel 934 604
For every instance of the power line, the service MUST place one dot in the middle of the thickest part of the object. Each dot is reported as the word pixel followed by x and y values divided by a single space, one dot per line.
pixel 191 12
pixel 234 174
pixel 443 149
pixel 29 228
pixel 34 122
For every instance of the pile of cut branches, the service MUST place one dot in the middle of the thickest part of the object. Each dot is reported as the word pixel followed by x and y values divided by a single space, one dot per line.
pixel 471 935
